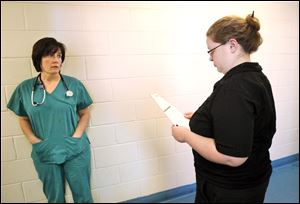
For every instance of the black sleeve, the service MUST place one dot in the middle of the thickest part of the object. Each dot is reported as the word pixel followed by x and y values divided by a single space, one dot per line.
pixel 233 123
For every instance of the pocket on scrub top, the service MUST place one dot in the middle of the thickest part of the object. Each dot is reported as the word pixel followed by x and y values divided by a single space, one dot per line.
pixel 48 152
pixel 74 146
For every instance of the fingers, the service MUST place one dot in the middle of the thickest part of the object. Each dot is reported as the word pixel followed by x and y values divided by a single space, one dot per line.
pixel 188 115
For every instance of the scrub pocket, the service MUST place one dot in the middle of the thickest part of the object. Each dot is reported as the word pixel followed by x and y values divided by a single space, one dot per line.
pixel 75 146
pixel 48 152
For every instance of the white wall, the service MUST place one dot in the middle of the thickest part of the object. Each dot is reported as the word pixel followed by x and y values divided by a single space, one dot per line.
pixel 124 51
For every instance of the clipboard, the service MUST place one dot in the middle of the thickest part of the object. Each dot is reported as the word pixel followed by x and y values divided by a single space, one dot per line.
pixel 173 114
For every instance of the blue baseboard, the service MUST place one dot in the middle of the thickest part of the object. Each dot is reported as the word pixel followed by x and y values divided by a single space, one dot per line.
pixel 164 195
pixel 285 160
pixel 183 190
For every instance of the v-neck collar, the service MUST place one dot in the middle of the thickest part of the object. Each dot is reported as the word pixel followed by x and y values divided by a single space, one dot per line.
pixel 42 82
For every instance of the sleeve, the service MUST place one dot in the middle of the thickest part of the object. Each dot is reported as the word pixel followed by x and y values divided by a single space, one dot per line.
pixel 233 123
pixel 84 100
pixel 15 103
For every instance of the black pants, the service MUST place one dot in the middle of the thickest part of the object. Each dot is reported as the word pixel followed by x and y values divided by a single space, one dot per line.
pixel 210 193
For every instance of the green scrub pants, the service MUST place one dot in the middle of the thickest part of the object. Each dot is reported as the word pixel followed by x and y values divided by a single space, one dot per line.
pixel 77 172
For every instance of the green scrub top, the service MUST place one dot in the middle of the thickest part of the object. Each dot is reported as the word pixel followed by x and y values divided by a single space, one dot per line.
pixel 54 121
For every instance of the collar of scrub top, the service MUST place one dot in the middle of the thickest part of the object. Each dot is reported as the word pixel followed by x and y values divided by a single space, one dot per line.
pixel 39 81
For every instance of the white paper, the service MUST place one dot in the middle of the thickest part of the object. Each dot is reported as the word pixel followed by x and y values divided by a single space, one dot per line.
pixel 173 114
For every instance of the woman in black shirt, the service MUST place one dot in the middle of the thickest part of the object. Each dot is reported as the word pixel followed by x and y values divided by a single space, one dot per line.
pixel 232 131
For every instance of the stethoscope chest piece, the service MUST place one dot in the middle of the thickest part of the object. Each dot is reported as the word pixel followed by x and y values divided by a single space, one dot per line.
pixel 69 93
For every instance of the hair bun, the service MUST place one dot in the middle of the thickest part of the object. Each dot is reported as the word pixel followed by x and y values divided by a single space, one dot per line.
pixel 253 22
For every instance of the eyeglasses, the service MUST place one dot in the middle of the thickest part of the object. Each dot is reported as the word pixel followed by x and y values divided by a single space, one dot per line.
pixel 210 51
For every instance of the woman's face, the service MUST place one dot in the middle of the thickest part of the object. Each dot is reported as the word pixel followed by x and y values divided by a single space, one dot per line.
pixel 51 64
pixel 216 54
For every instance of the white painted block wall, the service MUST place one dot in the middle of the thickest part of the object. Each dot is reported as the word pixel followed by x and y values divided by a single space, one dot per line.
pixel 123 52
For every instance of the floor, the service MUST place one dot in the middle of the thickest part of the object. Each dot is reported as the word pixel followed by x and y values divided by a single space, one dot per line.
pixel 283 187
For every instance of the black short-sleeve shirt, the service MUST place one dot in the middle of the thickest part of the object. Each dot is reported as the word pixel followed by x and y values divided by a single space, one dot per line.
pixel 240 116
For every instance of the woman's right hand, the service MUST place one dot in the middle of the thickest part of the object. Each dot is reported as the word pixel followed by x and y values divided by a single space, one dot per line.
pixel 188 115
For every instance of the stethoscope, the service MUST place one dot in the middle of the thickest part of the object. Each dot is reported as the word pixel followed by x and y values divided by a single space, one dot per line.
pixel 69 93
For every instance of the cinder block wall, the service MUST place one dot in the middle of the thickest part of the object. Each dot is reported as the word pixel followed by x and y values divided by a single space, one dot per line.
pixel 123 52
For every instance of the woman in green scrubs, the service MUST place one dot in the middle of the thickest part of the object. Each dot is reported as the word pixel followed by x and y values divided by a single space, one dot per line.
pixel 53 111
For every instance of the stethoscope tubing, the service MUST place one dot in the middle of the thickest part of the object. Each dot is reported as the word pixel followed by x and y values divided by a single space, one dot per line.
pixel 69 93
